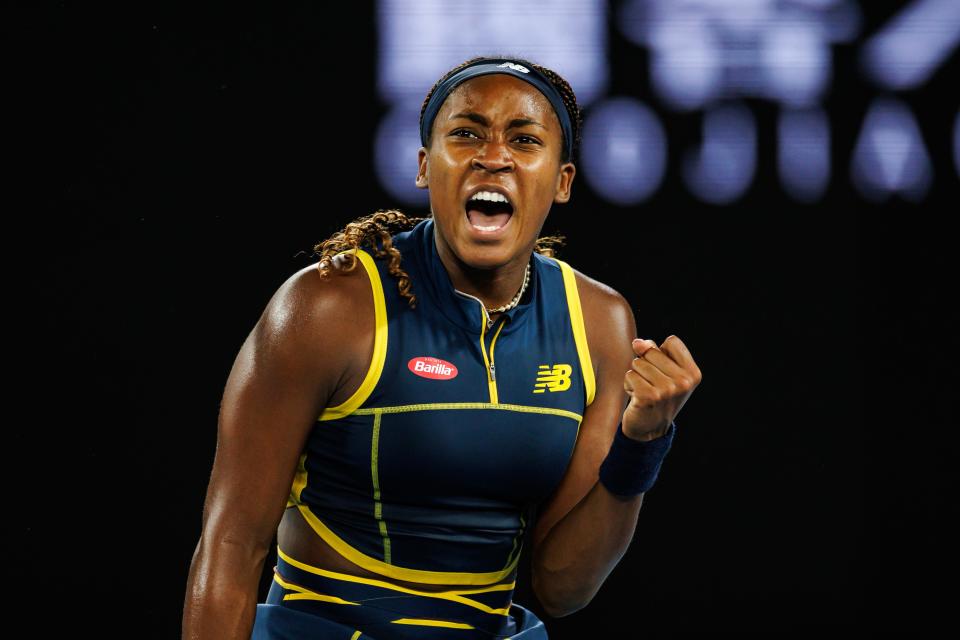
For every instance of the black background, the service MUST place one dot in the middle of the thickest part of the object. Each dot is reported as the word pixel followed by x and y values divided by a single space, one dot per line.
pixel 189 158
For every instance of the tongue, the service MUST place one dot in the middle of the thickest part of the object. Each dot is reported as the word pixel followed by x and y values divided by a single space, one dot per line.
pixel 482 219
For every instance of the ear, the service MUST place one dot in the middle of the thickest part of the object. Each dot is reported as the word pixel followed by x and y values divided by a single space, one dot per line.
pixel 422 182
pixel 565 182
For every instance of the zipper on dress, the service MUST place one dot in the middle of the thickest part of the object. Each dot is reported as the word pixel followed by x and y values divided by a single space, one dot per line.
pixel 484 325
pixel 491 367
pixel 493 370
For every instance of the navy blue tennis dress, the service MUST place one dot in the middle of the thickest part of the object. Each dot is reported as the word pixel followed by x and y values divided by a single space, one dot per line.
pixel 432 470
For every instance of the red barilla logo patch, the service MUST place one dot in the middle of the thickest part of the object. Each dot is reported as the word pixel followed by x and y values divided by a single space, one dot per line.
pixel 433 368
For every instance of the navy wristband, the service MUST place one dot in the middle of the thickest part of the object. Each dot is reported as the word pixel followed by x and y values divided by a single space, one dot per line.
pixel 631 466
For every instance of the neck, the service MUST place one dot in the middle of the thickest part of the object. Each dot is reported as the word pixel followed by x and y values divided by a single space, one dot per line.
pixel 494 287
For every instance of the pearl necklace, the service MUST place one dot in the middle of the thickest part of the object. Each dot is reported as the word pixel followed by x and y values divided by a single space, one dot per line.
pixel 516 298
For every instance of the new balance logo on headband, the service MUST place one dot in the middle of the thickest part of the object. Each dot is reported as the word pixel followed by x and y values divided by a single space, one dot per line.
pixel 515 67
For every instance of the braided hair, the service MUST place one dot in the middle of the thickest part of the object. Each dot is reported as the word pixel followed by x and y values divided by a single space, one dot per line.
pixel 384 223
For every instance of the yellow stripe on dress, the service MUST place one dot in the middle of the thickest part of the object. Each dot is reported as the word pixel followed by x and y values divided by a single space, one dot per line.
pixel 357 557
pixel 579 330
pixel 453 595
pixel 379 343
pixel 427 622
pixel 435 406
pixel 306 594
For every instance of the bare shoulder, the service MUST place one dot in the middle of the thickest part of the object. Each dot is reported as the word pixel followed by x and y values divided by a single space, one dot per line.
pixel 340 290
pixel 309 309
pixel 595 292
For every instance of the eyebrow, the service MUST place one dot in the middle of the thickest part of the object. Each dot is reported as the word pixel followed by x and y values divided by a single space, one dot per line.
pixel 479 119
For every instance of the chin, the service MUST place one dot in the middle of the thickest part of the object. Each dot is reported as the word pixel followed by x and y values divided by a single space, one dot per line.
pixel 483 249
pixel 480 257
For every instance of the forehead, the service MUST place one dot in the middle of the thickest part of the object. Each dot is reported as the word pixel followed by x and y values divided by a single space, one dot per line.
pixel 500 95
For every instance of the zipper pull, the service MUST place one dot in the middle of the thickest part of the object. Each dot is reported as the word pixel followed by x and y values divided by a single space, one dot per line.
pixel 493 372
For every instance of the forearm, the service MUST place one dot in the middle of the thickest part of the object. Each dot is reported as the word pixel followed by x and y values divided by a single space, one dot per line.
pixel 576 556
pixel 222 588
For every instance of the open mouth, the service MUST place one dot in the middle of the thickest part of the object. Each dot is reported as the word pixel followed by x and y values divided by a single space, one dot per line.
pixel 488 215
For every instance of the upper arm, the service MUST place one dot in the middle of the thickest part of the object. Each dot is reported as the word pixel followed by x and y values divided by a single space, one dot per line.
pixel 282 378
pixel 610 328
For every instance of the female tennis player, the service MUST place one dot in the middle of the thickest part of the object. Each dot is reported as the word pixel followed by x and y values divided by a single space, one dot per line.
pixel 434 394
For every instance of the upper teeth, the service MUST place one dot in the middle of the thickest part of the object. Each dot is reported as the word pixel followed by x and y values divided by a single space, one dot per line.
pixel 492 196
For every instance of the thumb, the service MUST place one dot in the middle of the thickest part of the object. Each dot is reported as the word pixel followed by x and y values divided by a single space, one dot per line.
pixel 642 346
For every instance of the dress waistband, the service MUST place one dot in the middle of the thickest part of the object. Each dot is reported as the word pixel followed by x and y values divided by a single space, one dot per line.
pixel 367 603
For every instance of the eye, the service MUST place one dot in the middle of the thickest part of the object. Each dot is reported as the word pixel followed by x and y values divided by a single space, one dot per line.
pixel 456 133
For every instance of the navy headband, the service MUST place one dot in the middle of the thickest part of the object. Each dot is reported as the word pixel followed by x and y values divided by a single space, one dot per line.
pixel 499 65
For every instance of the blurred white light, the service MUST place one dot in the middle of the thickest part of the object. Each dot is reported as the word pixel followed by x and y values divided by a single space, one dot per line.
pixel 913 44
pixel 803 153
pixel 395 156
pixel 702 51
pixel 624 152
pixel 890 156
pixel 685 70
pixel 420 40
pixel 722 169
pixel 796 63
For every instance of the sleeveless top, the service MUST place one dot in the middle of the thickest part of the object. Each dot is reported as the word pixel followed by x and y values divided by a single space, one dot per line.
pixel 429 472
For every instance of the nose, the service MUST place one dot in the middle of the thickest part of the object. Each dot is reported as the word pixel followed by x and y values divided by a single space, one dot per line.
pixel 493 157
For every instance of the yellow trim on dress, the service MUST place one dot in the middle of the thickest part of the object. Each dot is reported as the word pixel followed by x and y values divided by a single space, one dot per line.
pixel 377 504
pixel 453 595
pixel 400 573
pixel 379 345
pixel 579 331
pixel 302 593
pixel 299 482
pixel 427 622
pixel 431 406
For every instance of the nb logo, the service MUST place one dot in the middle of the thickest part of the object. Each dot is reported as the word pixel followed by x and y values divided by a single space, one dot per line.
pixel 554 379
pixel 515 67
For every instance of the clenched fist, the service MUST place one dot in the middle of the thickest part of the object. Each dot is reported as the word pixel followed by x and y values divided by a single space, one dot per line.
pixel 659 382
